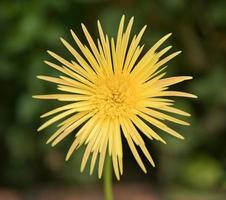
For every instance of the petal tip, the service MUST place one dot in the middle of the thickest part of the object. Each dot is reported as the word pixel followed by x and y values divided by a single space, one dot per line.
pixel 67 158
pixel 181 137
pixel 62 39
pixel 83 26
pixel 53 144
pixel 39 129
pixel 195 96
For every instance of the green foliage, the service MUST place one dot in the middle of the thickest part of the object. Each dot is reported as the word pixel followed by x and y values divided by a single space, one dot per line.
pixel 209 174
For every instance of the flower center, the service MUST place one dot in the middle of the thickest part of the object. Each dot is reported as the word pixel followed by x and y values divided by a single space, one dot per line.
pixel 115 95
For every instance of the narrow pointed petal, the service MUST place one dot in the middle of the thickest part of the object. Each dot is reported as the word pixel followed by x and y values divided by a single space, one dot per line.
pixel 161 125
pixel 174 110
pixel 56 118
pixel 132 147
pixel 177 94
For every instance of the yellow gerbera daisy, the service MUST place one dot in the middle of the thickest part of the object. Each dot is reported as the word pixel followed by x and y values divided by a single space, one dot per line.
pixel 113 93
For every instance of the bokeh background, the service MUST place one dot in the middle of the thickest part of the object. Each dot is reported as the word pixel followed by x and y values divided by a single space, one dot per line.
pixel 193 169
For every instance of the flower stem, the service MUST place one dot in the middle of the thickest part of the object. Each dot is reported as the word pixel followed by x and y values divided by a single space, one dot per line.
pixel 108 179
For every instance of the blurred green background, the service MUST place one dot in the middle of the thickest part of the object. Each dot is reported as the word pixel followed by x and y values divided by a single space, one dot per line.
pixel 190 169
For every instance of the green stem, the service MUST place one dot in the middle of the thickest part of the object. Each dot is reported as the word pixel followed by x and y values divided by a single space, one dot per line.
pixel 108 179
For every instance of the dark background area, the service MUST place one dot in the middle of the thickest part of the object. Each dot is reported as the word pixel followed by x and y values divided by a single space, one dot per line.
pixel 193 169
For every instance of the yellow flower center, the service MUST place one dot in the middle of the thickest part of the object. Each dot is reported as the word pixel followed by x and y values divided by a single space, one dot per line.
pixel 115 95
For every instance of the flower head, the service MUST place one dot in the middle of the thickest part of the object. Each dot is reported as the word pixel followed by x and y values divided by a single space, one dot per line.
pixel 112 92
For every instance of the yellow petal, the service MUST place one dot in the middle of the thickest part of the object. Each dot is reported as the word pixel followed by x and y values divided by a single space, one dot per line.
pixel 174 110
pixel 86 156
pixel 79 58
pixel 160 125
pixel 132 147
pixel 56 118
pixel 160 42
pixel 102 158
pixel 65 125
pixel 173 80
pixel 86 52
pixel 93 161
pixel 71 150
pixel 146 130
pixel 176 94
pixel 149 55
pixel 72 127
pixel 64 97
pixel 131 52
pixel 115 166
pixel 91 42
pixel 163 51
pixel 60 59
pixel 166 59
pixel 124 44
pixel 163 116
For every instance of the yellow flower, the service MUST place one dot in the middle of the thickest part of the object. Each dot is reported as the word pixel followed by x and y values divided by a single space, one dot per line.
pixel 113 93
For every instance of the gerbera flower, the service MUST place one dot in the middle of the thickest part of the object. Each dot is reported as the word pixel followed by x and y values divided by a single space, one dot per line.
pixel 112 92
